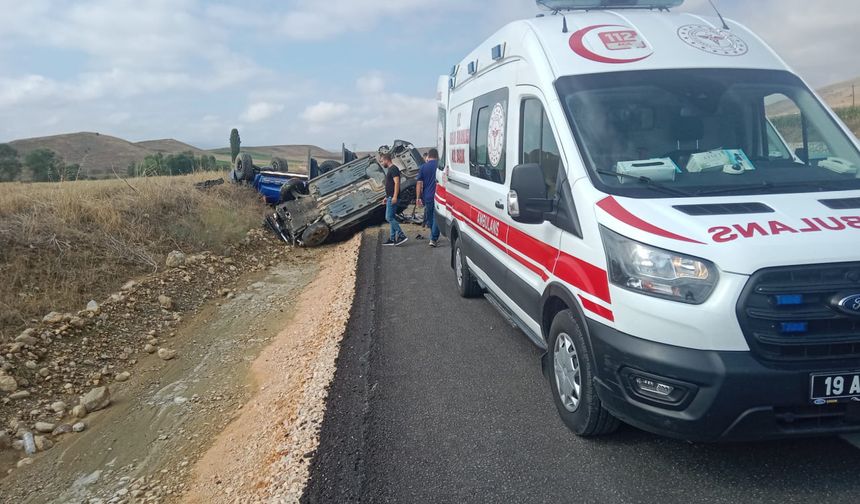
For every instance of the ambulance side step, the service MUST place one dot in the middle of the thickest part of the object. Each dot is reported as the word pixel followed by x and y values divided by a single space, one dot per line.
pixel 513 320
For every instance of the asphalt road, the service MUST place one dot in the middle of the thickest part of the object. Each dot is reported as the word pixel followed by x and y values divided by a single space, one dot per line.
pixel 437 399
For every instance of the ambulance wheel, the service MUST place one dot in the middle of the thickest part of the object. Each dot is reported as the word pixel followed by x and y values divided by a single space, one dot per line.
pixel 466 283
pixel 572 379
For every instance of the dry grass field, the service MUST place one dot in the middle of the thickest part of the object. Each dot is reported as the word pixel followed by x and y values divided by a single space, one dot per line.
pixel 64 244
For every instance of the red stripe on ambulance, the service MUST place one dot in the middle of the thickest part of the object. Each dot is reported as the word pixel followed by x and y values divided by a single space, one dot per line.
pixel 522 247
pixel 611 206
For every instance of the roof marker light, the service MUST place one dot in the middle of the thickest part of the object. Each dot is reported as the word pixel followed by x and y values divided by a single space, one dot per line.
pixel 498 52
pixel 473 67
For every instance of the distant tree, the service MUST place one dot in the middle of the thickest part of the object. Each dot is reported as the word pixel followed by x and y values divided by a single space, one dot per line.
pixel 10 167
pixel 180 164
pixel 71 172
pixel 235 144
pixel 152 166
pixel 44 165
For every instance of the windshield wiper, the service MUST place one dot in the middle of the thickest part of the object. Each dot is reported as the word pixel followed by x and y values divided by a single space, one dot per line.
pixel 647 181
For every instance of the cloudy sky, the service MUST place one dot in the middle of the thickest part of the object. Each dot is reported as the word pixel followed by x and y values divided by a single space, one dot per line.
pixel 298 71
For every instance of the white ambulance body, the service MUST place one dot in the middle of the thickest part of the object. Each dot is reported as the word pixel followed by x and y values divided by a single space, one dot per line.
pixel 657 200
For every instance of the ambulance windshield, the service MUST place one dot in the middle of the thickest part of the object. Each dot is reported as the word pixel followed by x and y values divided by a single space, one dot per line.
pixel 702 131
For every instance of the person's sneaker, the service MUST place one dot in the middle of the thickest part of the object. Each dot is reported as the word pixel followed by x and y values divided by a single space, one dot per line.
pixel 401 240
pixel 433 243
pixel 389 243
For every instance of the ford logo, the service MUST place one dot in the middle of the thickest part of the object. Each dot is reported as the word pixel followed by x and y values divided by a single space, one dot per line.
pixel 849 304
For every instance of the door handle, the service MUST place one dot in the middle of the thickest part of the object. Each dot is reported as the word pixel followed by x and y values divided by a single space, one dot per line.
pixel 500 205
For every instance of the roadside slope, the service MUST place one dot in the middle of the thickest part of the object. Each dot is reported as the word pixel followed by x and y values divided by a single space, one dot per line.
pixel 263 456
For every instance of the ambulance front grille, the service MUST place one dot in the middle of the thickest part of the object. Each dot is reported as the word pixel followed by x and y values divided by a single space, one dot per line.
pixel 788 314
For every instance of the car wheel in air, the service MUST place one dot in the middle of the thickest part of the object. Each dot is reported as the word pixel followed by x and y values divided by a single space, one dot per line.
pixel 315 234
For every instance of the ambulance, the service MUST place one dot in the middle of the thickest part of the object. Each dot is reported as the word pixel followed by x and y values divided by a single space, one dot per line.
pixel 660 203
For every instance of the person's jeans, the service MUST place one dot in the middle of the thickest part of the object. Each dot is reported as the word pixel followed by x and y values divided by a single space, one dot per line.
pixel 430 220
pixel 390 210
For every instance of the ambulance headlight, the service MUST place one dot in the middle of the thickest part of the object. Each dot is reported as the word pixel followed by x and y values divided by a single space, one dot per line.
pixel 656 272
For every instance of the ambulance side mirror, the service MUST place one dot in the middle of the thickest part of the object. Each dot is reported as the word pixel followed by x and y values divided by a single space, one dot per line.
pixel 527 201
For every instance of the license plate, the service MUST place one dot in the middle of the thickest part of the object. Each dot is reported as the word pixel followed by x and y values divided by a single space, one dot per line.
pixel 835 387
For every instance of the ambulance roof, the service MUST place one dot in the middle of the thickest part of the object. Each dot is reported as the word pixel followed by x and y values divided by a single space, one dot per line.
pixel 605 41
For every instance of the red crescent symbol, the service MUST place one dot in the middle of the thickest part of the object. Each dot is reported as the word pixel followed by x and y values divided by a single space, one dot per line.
pixel 576 43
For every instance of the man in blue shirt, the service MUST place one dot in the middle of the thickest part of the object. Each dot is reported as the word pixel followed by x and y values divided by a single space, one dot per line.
pixel 425 189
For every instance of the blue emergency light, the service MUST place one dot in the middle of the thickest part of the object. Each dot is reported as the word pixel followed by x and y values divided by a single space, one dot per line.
pixel 794 327
pixel 560 5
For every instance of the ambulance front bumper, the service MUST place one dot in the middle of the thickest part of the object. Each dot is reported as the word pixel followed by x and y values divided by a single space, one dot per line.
pixel 706 396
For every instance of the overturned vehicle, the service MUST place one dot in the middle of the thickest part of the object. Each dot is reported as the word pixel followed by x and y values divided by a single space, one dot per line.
pixel 344 199
pixel 276 183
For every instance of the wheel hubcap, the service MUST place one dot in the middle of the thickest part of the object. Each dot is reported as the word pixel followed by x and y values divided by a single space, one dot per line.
pixel 459 266
pixel 568 375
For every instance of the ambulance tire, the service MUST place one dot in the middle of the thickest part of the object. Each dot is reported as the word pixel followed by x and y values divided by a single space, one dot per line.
pixel 571 354
pixel 467 284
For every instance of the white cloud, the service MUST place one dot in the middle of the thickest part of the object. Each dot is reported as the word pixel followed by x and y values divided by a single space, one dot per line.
pixel 325 112
pixel 370 83
pixel 260 111
pixel 311 20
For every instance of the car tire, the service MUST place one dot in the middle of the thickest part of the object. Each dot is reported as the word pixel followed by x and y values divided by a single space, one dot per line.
pixel 328 166
pixel 572 379
pixel 315 234
pixel 289 189
pixel 280 165
pixel 244 166
pixel 467 284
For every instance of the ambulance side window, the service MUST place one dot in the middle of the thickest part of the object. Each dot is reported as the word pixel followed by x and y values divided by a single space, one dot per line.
pixel 537 143
pixel 488 138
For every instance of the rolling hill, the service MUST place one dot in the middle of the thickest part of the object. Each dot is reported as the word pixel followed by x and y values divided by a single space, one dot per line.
pixel 841 95
pixel 171 146
pixel 97 154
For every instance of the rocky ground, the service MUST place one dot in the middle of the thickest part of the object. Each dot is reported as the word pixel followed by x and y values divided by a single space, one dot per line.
pixel 118 402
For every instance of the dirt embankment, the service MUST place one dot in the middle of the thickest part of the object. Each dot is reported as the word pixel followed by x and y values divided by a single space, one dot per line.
pixel 177 374
pixel 263 456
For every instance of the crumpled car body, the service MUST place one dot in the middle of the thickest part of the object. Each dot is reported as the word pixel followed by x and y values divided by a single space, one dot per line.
pixel 344 199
